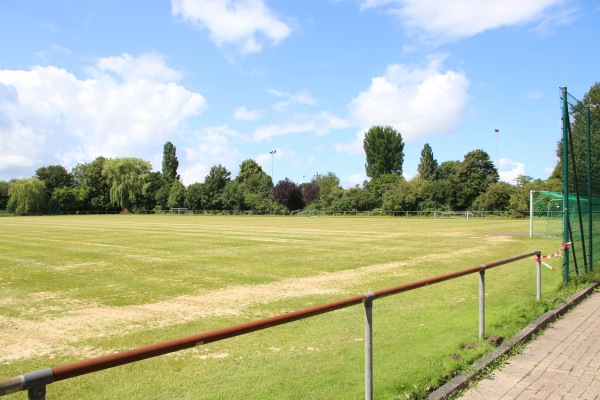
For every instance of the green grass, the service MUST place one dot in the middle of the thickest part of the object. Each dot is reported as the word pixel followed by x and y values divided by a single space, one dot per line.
pixel 80 286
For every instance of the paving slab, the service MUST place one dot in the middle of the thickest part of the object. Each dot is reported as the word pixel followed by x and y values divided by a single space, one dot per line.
pixel 561 363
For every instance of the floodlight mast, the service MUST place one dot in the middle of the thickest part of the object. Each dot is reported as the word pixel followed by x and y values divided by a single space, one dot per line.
pixel 497 130
pixel 272 153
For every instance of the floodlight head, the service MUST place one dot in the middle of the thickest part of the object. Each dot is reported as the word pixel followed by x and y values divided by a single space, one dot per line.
pixel 496 130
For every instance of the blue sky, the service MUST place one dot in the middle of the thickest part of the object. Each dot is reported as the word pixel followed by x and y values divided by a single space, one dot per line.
pixel 228 80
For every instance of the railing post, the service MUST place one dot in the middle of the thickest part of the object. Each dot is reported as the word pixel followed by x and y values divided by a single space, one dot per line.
pixel 37 393
pixel 482 302
pixel 369 297
pixel 538 269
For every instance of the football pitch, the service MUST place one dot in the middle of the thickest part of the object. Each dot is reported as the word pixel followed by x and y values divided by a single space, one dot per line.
pixel 76 287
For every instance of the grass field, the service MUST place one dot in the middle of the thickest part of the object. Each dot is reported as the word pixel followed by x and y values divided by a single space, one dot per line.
pixel 82 286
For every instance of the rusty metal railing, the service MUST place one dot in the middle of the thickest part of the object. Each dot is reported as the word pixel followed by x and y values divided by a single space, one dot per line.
pixel 35 382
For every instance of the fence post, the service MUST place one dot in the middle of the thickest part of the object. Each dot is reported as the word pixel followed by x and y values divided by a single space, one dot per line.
pixel 369 297
pixel 37 393
pixel 538 269
pixel 481 302
pixel 565 160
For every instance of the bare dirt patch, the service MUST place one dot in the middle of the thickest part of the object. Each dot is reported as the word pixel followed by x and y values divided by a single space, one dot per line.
pixel 60 335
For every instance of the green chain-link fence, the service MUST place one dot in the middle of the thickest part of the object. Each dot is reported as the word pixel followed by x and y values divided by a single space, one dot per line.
pixel 581 182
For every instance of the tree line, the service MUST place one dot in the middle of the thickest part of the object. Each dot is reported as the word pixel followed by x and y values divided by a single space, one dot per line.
pixel 130 184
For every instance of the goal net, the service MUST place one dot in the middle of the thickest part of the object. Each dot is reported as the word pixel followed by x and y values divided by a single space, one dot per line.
pixel 545 213
pixel 452 215
pixel 178 210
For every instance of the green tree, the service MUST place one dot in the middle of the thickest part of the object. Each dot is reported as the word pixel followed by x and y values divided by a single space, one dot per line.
pixel 447 170
pixel 384 150
pixel 382 184
pixel 329 188
pixel 27 195
pixel 254 185
pixel 400 197
pixel 153 184
pixel 54 176
pixel 78 172
pixel 161 197
pixel 343 204
pixel 214 183
pixel 233 197
pixel 442 195
pixel 249 170
pixel 97 189
pixel 519 199
pixel 588 109
pixel 427 165
pixel 495 198
pixel 176 194
pixel 422 190
pixel 257 194
pixel 193 196
pixel 126 177
pixel 362 199
pixel 69 198
pixel 4 194
pixel 413 195
pixel 473 177
pixel 170 162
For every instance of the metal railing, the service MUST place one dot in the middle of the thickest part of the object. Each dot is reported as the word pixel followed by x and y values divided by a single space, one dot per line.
pixel 35 382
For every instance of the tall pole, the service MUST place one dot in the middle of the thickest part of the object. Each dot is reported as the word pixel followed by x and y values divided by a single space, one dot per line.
pixel 497 165
pixel 565 160
pixel 272 153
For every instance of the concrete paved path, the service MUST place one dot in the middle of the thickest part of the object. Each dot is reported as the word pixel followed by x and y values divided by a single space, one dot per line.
pixel 562 363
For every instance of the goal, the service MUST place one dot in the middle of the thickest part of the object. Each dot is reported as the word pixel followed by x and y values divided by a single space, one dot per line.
pixel 545 213
pixel 178 210
pixel 452 215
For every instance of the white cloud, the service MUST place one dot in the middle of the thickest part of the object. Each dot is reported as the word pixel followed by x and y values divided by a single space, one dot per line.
pixel 50 116
pixel 148 66
pixel 320 124
pixel 211 146
pixel 244 24
pixel 444 21
pixel 353 180
pixel 354 147
pixel 243 114
pixel 535 95
pixel 303 97
pixel 416 101
pixel 509 170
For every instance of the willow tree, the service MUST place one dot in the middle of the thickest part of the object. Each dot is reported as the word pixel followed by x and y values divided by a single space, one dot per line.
pixel 27 195
pixel 126 178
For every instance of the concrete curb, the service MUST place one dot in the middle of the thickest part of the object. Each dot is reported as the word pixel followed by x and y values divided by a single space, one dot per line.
pixel 461 381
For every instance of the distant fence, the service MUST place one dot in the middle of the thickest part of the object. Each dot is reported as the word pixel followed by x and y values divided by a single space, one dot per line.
pixel 437 214
pixel 35 382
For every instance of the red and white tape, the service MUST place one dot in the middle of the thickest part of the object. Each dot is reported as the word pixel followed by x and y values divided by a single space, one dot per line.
pixel 557 254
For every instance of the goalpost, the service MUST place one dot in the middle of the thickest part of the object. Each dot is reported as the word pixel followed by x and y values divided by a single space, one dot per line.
pixel 179 210
pixel 452 215
pixel 546 213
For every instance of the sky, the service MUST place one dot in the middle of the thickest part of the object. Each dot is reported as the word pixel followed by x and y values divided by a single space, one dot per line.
pixel 294 85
